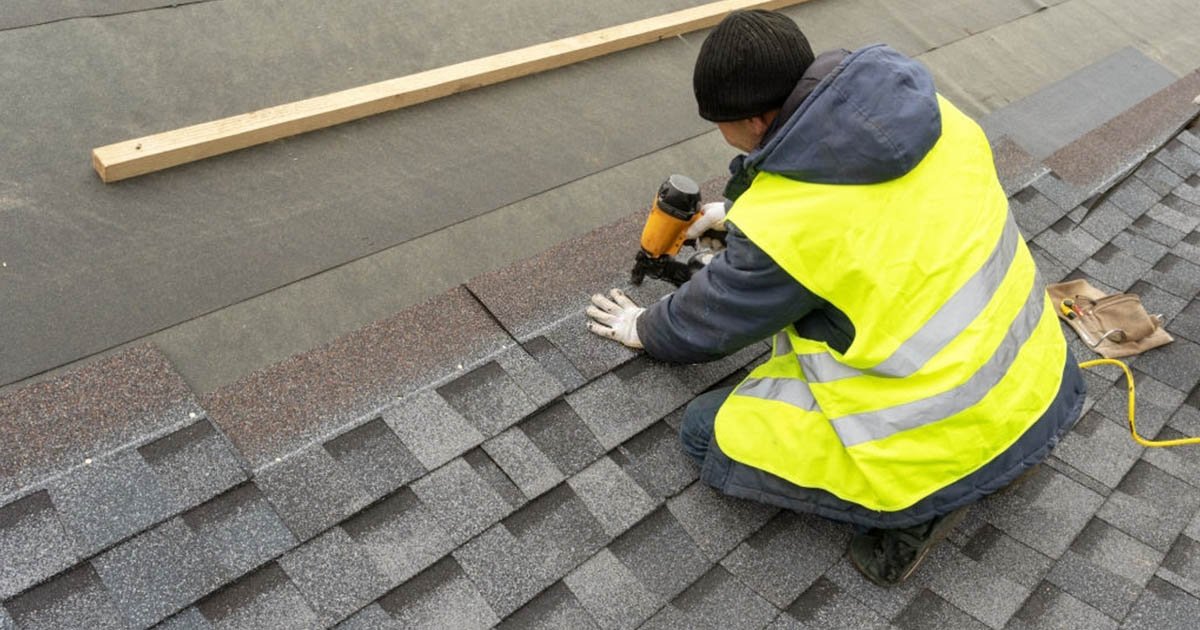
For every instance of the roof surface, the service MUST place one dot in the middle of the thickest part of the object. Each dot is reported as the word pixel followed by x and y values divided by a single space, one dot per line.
pixel 482 460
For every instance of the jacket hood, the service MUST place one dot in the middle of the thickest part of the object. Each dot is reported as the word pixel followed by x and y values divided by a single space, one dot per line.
pixel 870 120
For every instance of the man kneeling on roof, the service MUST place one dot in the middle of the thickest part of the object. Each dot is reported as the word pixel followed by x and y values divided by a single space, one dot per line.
pixel 917 364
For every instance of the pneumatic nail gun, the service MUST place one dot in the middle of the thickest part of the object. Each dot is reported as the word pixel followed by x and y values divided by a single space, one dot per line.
pixel 675 208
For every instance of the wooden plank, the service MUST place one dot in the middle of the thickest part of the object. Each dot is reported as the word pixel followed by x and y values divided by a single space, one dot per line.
pixel 159 151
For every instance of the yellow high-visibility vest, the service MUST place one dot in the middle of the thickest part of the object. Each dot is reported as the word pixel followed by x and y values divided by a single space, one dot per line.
pixel 956 352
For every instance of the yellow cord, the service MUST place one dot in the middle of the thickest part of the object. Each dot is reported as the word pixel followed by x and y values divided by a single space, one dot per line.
pixel 1132 423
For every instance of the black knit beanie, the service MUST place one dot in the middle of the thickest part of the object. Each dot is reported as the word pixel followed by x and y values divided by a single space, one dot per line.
pixel 748 65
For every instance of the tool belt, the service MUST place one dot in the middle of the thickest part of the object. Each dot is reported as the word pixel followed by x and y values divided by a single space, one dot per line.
pixel 1115 326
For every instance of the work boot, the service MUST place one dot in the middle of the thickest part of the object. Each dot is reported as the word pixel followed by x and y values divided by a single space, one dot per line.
pixel 888 556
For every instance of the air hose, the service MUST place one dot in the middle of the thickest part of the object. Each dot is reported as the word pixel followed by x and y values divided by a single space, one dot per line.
pixel 1132 398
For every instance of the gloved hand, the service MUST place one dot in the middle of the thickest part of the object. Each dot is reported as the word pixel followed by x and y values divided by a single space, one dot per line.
pixel 712 217
pixel 615 319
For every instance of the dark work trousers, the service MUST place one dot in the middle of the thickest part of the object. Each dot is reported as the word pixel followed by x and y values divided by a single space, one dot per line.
pixel 696 432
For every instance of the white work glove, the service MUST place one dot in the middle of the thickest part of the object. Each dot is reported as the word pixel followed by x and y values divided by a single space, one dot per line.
pixel 712 217
pixel 615 319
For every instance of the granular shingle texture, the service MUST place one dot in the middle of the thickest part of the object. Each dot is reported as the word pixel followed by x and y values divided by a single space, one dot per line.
pixel 482 460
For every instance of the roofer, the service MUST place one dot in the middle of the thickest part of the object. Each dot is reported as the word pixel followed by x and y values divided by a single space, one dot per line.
pixel 917 364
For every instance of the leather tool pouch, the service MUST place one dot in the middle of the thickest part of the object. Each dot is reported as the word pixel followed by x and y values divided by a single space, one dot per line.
pixel 1113 325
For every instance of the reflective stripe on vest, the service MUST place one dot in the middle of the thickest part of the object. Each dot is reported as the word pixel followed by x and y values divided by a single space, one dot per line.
pixel 940 330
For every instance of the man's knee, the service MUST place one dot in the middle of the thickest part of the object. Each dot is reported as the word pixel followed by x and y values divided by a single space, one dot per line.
pixel 695 434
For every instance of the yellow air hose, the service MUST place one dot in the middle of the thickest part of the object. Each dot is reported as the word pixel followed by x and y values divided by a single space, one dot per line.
pixel 1132 398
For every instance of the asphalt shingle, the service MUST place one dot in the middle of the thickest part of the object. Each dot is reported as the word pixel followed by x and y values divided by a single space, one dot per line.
pixel 1177 275
pixel 311 491
pixel 33 543
pixel 613 595
pixel 559 433
pixel 555 362
pixel 973 587
pixel 74 599
pixel 431 429
pixel 158 572
pixel 1051 608
pixel 661 554
pixel 1115 268
pixel 1105 568
pixel 1156 402
pixel 110 499
pixel 1151 505
pixel 1004 555
pixel 1034 212
pixel 554 609
pixel 607 407
pixel 557 531
pixel 927 610
pixel 787 555
pixel 655 459
pixel 265 598
pixel 335 575
pixel 524 463
pixel 717 523
pixel 1140 246
pixel 375 457
pixel 241 530
pixel 187 619
pixel 1179 157
pixel 503 569
pixel 717 601
pixel 590 354
pixel 1158 177
pixel 373 617
pixel 1045 512
pixel 1105 221
pixel 194 464
pixel 1163 607
pixel 488 398
pixel 1174 364
pixel 654 384
pixel 442 596
pixel 462 501
pixel 888 602
pixel 537 381
pixel 824 604
pixel 1068 243
pixel 1100 448
pixel 1183 560
pixel 1134 197
pixel 612 496
pixel 399 535
pixel 699 377
pixel 1062 193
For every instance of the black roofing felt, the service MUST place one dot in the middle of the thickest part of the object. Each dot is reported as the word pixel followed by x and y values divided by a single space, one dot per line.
pixel 482 460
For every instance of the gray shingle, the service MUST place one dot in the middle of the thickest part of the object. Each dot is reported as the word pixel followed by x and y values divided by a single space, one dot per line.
pixel 524 463
pixel 311 491
pixel 491 473
pixel 554 609
pixel 655 384
pixel 1115 267
pixel 1163 607
pixel 1152 228
pixel 503 569
pixel 1158 300
pixel 1045 512
pixel 1140 246
pixel 240 529
pixel 1050 608
pixel 1187 204
pixel 972 587
pixel 1187 323
pixel 6 622
pixel 591 354
pixel 1156 401
pixel 431 428
pixel 399 535
pixel 1141 519
pixel 555 362
pixel 1000 553
pixel 826 605
pixel 187 619
pixel 559 433
pixel 440 597
pixel 1184 561
pixel 334 574
pixel 1105 221
pixel 655 459
pixel 262 599
pixel 558 531
pixel 1062 193
pixel 1179 158
pixel 194 464
pixel 719 601
pixel 33 543
pixel 888 602
pixel 158 572
pixel 612 496
pixel 1105 591
pixel 109 500
pixel 1134 196
pixel 1115 552
pixel 1158 177
pixel 1034 212
pixel 1173 219
pixel 74 599
pixel 1050 269
pixel 783 558
pixel 616 599
pixel 461 500
pixel 374 456
pixel 928 610
pixel 1174 364
pixel 373 617
pixel 698 377
pixel 1176 275
pixel 1181 462
pixel 610 410
pixel 661 554
pixel 538 383
pixel 717 523
pixel 1099 448
pixel 1068 243
pixel 488 398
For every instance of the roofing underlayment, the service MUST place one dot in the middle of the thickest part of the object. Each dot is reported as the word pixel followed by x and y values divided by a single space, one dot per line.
pixel 481 459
